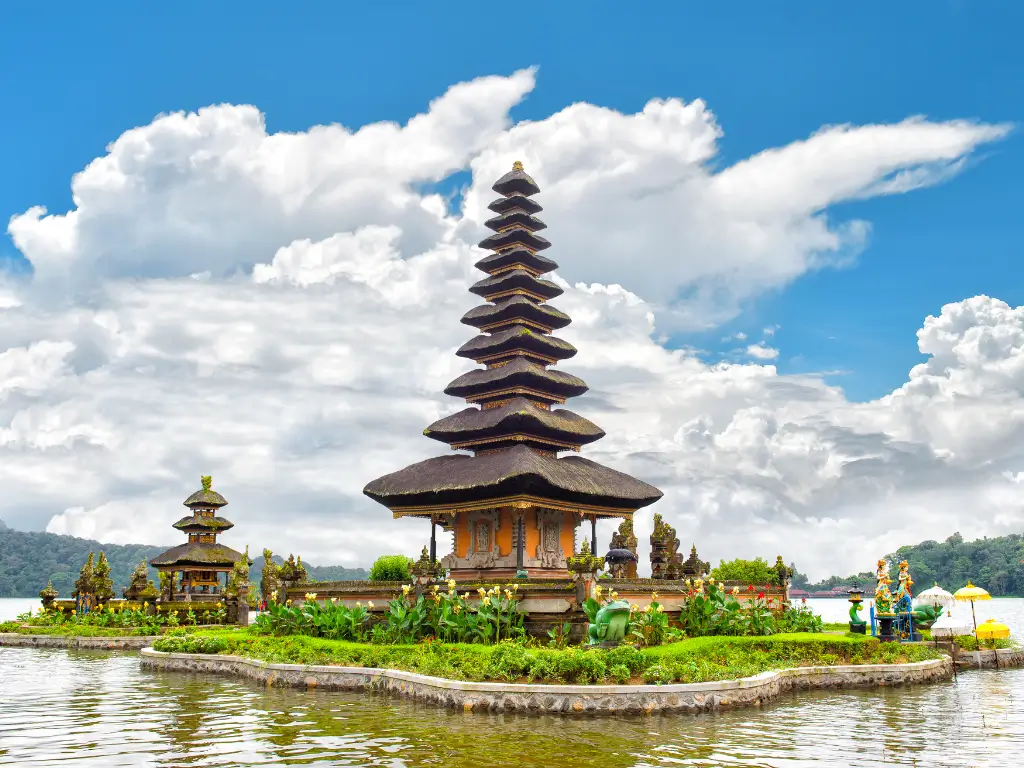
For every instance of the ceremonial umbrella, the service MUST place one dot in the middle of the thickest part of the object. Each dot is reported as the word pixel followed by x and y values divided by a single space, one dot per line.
pixel 948 626
pixel 992 629
pixel 935 596
pixel 970 593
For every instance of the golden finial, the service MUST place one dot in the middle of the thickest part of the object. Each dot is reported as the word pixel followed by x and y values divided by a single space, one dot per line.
pixel 207 481
pixel 517 166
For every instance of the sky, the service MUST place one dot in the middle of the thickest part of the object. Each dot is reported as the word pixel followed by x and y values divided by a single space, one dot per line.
pixel 240 236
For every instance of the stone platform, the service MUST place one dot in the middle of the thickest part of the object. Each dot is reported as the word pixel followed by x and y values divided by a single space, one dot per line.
pixel 75 642
pixel 557 699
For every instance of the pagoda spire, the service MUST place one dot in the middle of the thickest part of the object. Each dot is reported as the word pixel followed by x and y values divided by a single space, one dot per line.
pixel 522 447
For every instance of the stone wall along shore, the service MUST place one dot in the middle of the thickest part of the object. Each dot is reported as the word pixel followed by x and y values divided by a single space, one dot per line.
pixel 120 643
pixel 551 699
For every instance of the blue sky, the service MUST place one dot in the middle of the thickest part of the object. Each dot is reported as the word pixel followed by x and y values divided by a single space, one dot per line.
pixel 72 81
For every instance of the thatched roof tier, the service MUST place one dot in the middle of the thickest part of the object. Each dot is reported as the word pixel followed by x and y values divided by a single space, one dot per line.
pixel 521 374
pixel 516 340
pixel 199 523
pixel 515 308
pixel 515 218
pixel 515 282
pixel 205 497
pixel 516 182
pixel 513 237
pixel 516 258
pixel 490 478
pixel 520 417
pixel 215 556
pixel 513 203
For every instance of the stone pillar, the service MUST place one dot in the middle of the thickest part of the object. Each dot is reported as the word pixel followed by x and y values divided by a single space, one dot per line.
pixel 242 611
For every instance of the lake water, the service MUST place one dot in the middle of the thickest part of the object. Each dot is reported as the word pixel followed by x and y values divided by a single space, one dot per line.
pixel 100 709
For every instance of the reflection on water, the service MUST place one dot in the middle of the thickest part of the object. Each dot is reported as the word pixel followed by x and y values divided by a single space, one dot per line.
pixel 92 709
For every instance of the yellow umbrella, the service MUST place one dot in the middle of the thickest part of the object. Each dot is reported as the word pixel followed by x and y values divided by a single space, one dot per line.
pixel 971 593
pixel 992 629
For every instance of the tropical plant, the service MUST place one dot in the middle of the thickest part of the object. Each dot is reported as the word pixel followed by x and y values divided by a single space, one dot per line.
pixel 391 568
pixel 756 571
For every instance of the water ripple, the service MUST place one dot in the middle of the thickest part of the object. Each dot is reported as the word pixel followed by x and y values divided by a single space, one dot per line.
pixel 98 709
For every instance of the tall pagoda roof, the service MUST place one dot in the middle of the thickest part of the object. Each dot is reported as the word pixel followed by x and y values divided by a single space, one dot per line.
pixel 205 497
pixel 193 553
pixel 199 523
pixel 516 436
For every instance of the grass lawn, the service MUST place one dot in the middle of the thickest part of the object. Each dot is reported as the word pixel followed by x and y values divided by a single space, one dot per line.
pixel 693 660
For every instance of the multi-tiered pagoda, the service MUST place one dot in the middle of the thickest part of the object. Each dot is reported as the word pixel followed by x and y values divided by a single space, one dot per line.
pixel 202 562
pixel 515 503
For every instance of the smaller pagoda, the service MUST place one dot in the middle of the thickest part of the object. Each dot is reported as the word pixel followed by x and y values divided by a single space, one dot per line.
pixel 197 567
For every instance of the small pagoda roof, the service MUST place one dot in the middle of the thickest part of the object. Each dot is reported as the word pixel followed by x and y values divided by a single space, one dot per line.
pixel 194 553
pixel 516 307
pixel 517 471
pixel 516 182
pixel 205 497
pixel 515 202
pixel 517 337
pixel 519 417
pixel 515 218
pixel 514 236
pixel 198 523
pixel 516 280
pixel 516 256
pixel 517 373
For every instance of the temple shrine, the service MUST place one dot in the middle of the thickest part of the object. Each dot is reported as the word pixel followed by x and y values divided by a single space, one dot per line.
pixel 510 501
pixel 202 561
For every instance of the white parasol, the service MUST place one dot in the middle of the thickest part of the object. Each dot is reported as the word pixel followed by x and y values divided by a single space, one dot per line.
pixel 949 626
pixel 935 596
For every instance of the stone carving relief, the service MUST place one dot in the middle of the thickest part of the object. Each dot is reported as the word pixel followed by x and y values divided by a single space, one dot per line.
pixel 483 545
pixel 549 549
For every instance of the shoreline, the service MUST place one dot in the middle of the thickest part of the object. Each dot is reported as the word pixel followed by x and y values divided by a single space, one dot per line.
pixel 532 698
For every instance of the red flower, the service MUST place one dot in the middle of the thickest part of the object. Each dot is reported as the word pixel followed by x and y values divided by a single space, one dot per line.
pixel 760 595
pixel 750 588
pixel 803 600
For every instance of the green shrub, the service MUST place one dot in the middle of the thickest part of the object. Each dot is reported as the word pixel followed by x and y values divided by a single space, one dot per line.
pixel 391 568
pixel 620 673
pixel 658 674
pixel 756 571
pixel 510 661
pixel 592 668
pixel 190 644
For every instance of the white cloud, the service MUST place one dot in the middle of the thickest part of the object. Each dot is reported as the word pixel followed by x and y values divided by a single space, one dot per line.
pixel 282 310
pixel 761 352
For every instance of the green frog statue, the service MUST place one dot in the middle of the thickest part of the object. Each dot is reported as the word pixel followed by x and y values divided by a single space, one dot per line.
pixel 610 623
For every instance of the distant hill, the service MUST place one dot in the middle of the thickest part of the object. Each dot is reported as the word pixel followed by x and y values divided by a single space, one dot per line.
pixel 995 564
pixel 29 559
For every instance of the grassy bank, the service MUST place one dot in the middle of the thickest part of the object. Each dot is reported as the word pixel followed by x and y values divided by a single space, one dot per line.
pixel 688 661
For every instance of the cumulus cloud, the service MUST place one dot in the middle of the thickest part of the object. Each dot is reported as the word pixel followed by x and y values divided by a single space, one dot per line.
pixel 281 311
pixel 760 352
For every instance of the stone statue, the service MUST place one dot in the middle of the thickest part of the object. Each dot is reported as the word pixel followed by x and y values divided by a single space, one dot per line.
pixel 694 568
pixel 48 595
pixel 610 624
pixel 624 538
pixel 666 562
pixel 140 588
pixel 270 579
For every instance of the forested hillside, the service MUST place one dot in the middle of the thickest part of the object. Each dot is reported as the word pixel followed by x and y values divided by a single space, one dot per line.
pixel 996 564
pixel 28 560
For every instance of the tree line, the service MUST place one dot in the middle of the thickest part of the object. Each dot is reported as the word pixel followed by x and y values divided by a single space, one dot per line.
pixel 995 564
pixel 29 559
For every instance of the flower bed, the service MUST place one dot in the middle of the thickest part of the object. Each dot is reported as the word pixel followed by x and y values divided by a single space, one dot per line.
pixel 694 660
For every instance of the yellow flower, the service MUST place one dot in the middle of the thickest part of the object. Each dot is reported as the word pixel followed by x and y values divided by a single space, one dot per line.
pixel 515 587
pixel 654 595
pixel 273 595
pixel 406 589
pixel 598 590
pixel 358 604
pixel 334 600
pixel 613 594
pixel 508 594
pixel 735 590
pixel 466 596
pixel 451 583
pixel 647 609
pixel 369 604
pixel 288 602
pixel 661 609
pixel 311 595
